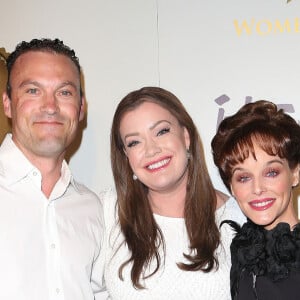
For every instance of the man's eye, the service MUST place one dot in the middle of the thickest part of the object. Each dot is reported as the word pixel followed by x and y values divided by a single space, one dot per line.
pixel 65 93
pixel 32 91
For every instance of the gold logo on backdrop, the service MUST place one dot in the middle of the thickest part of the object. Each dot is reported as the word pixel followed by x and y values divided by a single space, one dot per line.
pixel 265 27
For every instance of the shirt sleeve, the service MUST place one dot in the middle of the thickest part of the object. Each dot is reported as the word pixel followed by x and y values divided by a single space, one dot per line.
pixel 97 276
pixel 107 205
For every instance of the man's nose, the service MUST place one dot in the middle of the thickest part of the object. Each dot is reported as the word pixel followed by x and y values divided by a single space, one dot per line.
pixel 50 104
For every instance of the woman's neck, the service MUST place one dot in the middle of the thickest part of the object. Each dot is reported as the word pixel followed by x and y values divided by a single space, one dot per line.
pixel 169 203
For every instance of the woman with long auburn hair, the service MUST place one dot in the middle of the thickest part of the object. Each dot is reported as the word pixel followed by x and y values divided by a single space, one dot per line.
pixel 163 240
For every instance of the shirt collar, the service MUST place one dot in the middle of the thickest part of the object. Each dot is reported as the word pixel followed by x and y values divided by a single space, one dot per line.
pixel 14 165
pixel 64 181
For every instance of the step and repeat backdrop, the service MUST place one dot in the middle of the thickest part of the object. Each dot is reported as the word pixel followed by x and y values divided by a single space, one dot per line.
pixel 214 55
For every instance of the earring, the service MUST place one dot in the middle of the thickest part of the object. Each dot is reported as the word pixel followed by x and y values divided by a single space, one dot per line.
pixel 134 177
pixel 188 154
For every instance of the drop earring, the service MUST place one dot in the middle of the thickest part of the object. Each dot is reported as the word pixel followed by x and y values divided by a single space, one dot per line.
pixel 188 154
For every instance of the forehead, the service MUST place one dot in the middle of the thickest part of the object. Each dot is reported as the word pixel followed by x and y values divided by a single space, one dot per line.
pixel 43 63
pixel 259 155
pixel 146 114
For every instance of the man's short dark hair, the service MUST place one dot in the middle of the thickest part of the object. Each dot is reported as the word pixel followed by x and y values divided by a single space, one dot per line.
pixel 45 45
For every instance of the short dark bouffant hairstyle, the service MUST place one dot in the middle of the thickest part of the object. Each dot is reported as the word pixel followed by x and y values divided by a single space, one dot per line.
pixel 262 123
pixel 46 45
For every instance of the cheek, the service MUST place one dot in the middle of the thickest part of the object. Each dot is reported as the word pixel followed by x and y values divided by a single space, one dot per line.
pixel 177 143
pixel 281 186
pixel 25 109
pixel 181 141
pixel 71 111
pixel 21 111
pixel 133 158
pixel 241 193
pixel 70 107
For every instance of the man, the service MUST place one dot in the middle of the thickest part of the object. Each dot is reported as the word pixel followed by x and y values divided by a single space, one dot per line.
pixel 50 226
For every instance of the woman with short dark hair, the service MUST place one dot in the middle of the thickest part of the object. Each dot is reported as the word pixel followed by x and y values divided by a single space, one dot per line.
pixel 257 151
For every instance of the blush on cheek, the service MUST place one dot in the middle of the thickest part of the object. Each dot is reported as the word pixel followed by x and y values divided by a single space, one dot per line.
pixel 281 186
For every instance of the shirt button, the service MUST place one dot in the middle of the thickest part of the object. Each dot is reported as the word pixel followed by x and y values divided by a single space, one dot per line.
pixel 34 173
pixel 52 246
pixel 57 290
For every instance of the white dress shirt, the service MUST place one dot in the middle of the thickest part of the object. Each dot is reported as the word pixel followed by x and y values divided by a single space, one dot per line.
pixel 49 248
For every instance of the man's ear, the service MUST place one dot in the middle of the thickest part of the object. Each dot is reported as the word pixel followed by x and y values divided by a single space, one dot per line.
pixel 6 105
pixel 82 108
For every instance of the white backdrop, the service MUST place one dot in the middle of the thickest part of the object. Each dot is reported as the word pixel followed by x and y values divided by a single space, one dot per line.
pixel 214 55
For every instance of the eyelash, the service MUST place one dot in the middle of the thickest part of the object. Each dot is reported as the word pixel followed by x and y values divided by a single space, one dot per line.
pixel 242 178
pixel 132 144
pixel 163 131
pixel 31 91
pixel 65 93
pixel 270 173
pixel 160 132
pixel 273 171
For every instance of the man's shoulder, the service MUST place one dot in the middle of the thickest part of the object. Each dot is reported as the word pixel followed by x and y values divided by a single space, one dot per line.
pixel 108 197
pixel 108 200
pixel 84 190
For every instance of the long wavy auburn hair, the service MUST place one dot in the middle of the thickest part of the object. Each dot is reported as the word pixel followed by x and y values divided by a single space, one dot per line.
pixel 143 236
